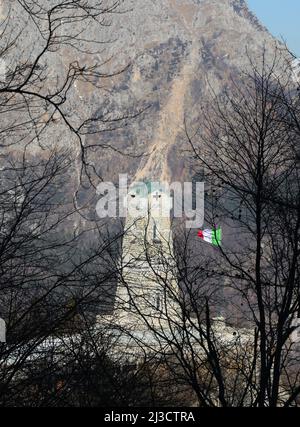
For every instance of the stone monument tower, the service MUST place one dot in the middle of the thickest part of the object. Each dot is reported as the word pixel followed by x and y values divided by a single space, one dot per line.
pixel 147 292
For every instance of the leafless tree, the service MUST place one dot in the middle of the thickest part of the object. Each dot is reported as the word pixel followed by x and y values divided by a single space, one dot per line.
pixel 54 273
pixel 250 151
pixel 248 147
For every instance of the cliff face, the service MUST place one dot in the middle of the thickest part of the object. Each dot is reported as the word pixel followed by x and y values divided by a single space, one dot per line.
pixel 177 51
pixel 176 48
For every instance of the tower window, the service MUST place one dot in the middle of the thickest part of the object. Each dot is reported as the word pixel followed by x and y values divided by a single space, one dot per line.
pixel 158 302
pixel 156 239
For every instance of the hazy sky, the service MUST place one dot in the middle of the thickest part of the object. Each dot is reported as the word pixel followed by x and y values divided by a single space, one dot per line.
pixel 282 18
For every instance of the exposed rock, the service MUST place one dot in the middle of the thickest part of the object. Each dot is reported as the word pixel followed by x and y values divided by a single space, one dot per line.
pixel 178 48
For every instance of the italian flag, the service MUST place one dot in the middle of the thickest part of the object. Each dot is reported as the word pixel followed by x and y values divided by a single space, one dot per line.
pixel 213 236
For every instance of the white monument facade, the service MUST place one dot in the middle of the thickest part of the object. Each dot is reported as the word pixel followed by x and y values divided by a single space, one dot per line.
pixel 147 293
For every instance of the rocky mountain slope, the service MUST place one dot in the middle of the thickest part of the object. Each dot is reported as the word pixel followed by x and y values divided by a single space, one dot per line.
pixel 178 49
pixel 175 52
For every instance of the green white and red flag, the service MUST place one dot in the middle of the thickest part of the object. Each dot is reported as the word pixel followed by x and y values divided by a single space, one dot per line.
pixel 214 236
